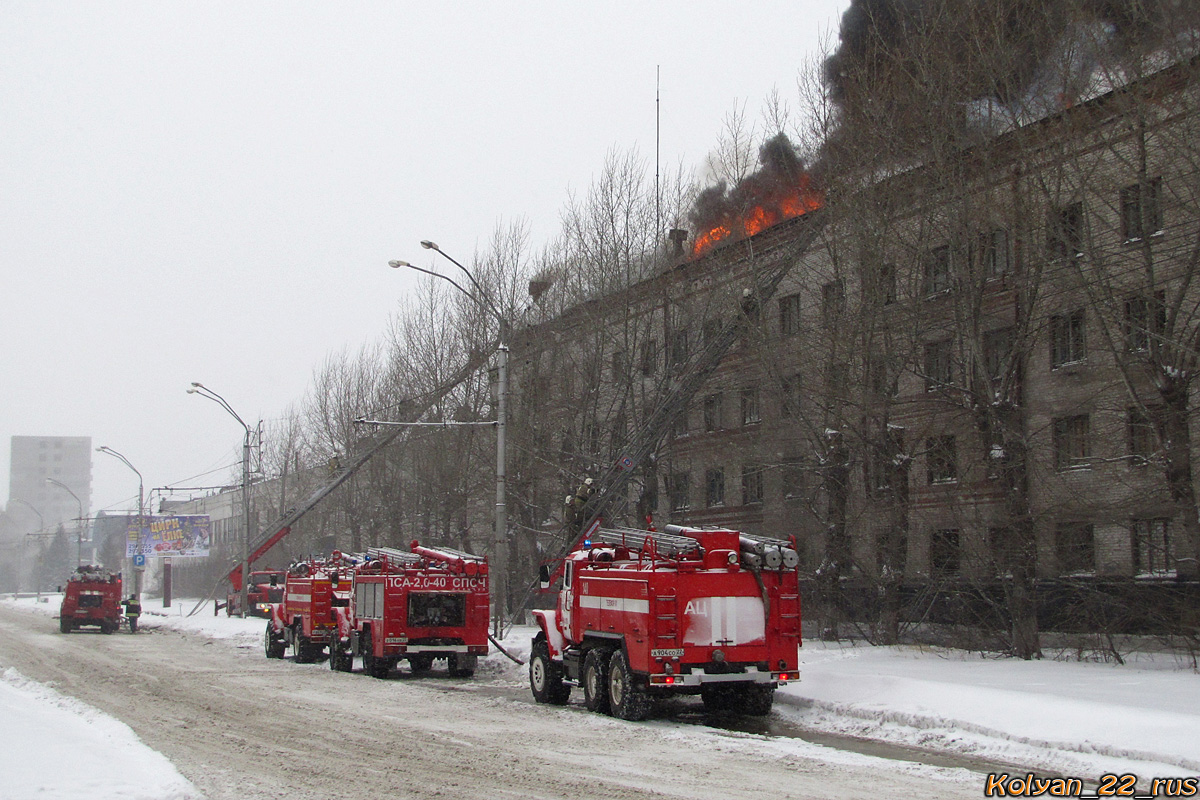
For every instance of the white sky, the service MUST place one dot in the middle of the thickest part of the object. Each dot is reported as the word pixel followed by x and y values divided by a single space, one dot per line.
pixel 211 191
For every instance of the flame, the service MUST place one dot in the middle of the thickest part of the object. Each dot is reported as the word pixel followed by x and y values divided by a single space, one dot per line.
pixel 783 205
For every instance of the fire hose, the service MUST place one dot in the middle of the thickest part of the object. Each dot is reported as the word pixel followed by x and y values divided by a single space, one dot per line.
pixel 502 650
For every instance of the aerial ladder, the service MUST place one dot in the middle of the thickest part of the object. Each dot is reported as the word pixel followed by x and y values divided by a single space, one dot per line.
pixel 409 410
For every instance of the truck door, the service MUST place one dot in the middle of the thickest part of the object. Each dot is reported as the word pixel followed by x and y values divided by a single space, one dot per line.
pixel 565 598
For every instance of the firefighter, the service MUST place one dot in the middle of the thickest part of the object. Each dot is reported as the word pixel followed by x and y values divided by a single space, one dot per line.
pixel 576 501
pixel 133 610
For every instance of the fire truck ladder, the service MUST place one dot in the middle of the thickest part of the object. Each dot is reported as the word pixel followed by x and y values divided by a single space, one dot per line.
pixel 666 543
pixel 773 267
pixel 393 556
pixel 410 410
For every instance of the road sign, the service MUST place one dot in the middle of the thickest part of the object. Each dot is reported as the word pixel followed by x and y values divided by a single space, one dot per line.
pixel 139 560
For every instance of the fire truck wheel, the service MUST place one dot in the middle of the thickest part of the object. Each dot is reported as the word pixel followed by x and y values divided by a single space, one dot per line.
pixel 420 663
pixel 376 667
pixel 719 698
pixel 546 676
pixel 107 627
pixel 340 659
pixel 595 680
pixel 757 700
pixel 461 665
pixel 627 699
pixel 64 625
pixel 272 643
pixel 303 648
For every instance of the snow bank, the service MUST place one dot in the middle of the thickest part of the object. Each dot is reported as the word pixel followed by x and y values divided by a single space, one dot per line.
pixel 1079 719
pixel 57 748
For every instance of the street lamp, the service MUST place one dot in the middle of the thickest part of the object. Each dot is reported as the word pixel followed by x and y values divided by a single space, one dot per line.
pixel 500 535
pixel 79 530
pixel 30 506
pixel 204 391
pixel 137 581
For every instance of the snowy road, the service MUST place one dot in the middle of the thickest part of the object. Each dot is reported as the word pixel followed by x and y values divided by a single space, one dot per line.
pixel 239 726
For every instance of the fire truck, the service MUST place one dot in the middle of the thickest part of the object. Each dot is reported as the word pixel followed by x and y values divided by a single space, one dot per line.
pixel 306 615
pixel 92 597
pixel 425 604
pixel 265 589
pixel 645 614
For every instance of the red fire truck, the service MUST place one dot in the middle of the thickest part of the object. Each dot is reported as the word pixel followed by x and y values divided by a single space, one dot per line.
pixel 92 597
pixel 645 614
pixel 264 590
pixel 422 605
pixel 306 615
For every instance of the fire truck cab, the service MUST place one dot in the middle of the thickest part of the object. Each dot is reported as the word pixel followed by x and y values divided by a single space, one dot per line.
pixel 92 596
pixel 644 614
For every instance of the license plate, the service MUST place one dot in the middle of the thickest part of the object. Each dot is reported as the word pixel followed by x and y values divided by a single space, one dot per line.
pixel 670 652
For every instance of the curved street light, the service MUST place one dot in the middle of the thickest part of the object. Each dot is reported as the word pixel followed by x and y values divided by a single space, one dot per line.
pixel 78 530
pixel 204 391
pixel 141 508
pixel 500 534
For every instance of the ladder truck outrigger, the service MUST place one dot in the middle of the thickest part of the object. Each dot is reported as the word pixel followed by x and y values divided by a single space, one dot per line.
pixel 565 641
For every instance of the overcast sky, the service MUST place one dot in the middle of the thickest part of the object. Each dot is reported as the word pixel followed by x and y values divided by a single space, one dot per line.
pixel 211 191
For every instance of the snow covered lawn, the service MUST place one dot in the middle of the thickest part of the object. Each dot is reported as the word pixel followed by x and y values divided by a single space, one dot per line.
pixel 58 748
pixel 1072 718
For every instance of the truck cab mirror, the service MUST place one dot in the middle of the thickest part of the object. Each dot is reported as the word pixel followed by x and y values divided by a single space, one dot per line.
pixel 544 575
pixel 59 589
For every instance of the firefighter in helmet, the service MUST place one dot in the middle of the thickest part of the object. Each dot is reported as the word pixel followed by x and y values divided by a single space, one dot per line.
pixel 133 610
pixel 576 501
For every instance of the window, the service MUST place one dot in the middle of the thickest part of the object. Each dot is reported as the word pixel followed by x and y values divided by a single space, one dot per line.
pixel 714 481
pixel 1072 448
pixel 793 483
pixel 833 302
pixel 941 458
pixel 997 350
pixel 649 357
pixel 939 364
pixel 1067 342
pixel 619 365
pixel 887 284
pixel 886 462
pixel 1004 548
pixel 713 412
pixel 752 484
pixel 680 426
pixel 1145 320
pixel 995 254
pixel 1141 213
pixel 679 490
pixel 937 270
pixel 679 348
pixel 750 407
pixel 1143 437
pixel 711 330
pixel 1152 546
pixel 789 403
pixel 789 315
pixel 1065 235
pixel 945 553
pixel 1075 545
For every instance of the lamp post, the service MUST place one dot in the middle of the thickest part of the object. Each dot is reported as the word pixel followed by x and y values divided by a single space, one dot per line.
pixel 137 577
pixel 79 530
pixel 41 526
pixel 500 534
pixel 204 391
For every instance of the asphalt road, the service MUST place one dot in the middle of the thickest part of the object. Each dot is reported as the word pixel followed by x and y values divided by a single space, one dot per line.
pixel 242 727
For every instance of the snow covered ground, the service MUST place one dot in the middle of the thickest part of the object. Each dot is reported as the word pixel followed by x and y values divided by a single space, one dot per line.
pixel 1061 717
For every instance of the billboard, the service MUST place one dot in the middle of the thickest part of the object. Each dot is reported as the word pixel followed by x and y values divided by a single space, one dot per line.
pixel 178 537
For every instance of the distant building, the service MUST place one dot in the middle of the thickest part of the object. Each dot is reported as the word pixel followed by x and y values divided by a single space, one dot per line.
pixel 34 460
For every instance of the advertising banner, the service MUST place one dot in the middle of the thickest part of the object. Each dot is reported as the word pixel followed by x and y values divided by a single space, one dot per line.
pixel 177 537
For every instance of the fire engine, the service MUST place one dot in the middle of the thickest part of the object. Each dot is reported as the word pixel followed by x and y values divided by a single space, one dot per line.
pixel 419 606
pixel 92 597
pixel 265 589
pixel 645 614
pixel 306 615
